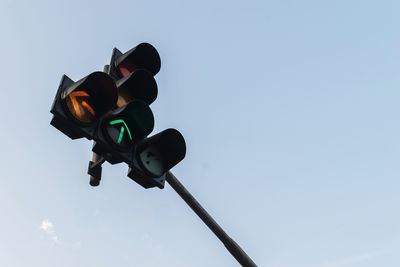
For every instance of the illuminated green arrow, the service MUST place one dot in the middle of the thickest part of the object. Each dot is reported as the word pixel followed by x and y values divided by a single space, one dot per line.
pixel 123 127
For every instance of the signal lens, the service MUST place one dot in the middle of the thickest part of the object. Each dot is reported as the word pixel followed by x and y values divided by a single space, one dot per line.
pixel 152 161
pixel 80 105
pixel 125 69
pixel 120 134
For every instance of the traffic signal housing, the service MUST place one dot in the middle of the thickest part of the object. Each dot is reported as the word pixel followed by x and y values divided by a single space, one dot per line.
pixel 142 56
pixel 121 129
pixel 132 120
pixel 78 106
pixel 134 73
pixel 156 155
pixel 112 108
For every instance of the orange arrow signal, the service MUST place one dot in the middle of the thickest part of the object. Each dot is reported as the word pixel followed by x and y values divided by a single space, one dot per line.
pixel 80 107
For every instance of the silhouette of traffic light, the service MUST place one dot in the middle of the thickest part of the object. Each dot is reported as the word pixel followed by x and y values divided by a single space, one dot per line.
pixel 78 106
pixel 142 56
pixel 112 108
pixel 152 157
pixel 133 74
pixel 156 155
pixel 121 129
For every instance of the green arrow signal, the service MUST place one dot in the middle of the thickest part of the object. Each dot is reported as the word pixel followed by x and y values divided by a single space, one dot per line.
pixel 123 127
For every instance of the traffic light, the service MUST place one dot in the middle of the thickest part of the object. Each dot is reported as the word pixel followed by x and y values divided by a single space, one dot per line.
pixel 142 56
pixel 156 155
pixel 132 120
pixel 121 129
pixel 112 108
pixel 78 106
pixel 133 72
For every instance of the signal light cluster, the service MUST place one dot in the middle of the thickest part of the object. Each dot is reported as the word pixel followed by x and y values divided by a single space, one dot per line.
pixel 112 108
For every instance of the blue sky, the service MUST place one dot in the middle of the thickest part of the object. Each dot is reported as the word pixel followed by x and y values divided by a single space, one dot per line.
pixel 290 114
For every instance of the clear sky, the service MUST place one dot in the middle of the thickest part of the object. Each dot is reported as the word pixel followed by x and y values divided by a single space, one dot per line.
pixel 290 111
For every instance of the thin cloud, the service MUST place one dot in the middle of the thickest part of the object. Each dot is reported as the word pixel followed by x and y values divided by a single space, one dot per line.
pixel 48 227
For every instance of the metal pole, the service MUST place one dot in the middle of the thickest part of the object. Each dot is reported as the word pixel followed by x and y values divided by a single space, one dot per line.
pixel 95 176
pixel 228 242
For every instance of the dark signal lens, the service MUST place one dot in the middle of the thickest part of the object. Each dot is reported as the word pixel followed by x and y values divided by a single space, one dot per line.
pixel 125 69
pixel 152 161
pixel 80 105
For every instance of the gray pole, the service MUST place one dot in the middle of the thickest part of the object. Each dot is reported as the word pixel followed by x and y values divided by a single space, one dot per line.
pixel 230 245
